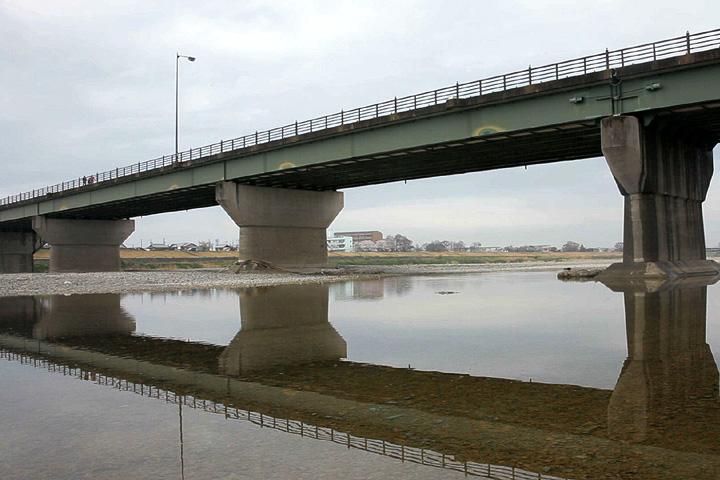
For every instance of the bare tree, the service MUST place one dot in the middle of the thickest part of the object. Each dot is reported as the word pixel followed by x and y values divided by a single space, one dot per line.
pixel 402 243
pixel 571 246
pixel 435 246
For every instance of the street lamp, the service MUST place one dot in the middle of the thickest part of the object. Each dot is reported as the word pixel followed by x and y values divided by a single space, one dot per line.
pixel 177 61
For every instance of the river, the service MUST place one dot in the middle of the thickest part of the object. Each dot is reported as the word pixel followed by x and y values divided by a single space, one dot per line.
pixel 512 373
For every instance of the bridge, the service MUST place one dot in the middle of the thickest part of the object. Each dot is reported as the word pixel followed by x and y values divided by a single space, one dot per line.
pixel 652 110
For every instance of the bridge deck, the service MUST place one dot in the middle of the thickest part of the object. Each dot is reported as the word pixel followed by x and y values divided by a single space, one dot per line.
pixel 524 118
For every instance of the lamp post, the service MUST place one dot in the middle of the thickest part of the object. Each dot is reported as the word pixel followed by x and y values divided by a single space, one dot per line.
pixel 177 62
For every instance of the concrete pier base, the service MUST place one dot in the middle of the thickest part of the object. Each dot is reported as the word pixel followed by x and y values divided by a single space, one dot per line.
pixel 668 270
pixel 285 227
pixel 84 245
pixel 664 176
pixel 16 251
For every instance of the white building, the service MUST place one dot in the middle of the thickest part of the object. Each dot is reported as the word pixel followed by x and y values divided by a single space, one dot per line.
pixel 340 244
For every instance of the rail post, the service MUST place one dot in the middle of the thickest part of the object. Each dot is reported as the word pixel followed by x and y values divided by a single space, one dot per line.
pixel 687 40
pixel 607 57
pixel 529 74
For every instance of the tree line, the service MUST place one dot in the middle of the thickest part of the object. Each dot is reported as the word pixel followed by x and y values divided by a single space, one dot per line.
pixel 401 243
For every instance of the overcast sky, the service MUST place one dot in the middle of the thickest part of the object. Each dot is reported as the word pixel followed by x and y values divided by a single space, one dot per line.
pixel 88 86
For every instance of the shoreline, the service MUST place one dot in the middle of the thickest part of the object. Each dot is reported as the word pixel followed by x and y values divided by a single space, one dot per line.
pixel 21 284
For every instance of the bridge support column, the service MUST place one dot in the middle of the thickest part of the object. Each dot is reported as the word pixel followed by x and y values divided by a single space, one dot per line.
pixel 16 251
pixel 664 177
pixel 281 226
pixel 84 245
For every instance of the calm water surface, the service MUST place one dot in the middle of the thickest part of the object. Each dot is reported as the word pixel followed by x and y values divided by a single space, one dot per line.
pixel 63 418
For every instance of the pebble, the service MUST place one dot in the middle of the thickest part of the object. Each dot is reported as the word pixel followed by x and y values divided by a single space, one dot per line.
pixel 16 284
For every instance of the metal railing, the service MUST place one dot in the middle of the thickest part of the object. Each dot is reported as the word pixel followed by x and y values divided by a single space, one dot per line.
pixel 532 75
pixel 404 453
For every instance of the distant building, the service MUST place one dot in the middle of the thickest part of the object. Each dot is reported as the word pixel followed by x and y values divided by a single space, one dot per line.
pixel 157 246
pixel 488 249
pixel 188 247
pixel 340 244
pixel 540 248
pixel 372 235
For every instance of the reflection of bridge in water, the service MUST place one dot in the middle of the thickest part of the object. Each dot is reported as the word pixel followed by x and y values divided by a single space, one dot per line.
pixel 665 403
pixel 404 453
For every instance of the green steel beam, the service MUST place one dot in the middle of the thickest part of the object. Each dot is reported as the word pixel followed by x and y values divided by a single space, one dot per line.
pixel 533 112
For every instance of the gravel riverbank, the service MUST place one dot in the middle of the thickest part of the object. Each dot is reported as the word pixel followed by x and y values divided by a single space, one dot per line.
pixel 154 280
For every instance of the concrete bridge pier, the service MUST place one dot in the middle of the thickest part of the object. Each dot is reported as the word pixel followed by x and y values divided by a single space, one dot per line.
pixel 16 251
pixel 664 176
pixel 282 226
pixel 83 245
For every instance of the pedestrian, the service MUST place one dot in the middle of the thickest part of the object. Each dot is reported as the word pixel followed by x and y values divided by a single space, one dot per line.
pixel 92 178
pixel 84 180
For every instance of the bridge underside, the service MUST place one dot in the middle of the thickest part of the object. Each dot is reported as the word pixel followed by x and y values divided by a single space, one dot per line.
pixel 572 141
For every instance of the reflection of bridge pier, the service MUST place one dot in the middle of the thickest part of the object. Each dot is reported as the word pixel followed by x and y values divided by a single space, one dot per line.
pixel 57 316
pixel 669 382
pixel 282 325
pixel 19 314
pixel 82 315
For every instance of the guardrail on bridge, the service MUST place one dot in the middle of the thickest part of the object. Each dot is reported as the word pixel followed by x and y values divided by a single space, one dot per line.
pixel 532 75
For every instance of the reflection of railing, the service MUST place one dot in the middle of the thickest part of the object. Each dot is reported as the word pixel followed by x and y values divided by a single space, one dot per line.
pixel 410 454
pixel 532 75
